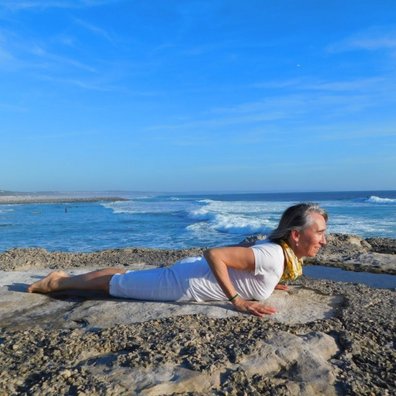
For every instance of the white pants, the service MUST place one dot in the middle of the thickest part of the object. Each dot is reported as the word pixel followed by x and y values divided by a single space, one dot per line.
pixel 158 284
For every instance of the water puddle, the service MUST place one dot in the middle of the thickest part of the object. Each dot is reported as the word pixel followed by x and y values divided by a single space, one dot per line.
pixel 380 281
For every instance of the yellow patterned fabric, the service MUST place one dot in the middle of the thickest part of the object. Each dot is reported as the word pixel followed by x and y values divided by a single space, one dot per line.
pixel 293 265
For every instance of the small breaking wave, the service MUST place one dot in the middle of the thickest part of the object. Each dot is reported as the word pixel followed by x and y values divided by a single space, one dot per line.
pixel 6 210
pixel 229 224
pixel 201 214
pixel 233 218
pixel 146 207
pixel 240 225
pixel 207 201
pixel 378 200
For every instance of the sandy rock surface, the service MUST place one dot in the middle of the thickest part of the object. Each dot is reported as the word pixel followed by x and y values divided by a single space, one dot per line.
pixel 328 338
pixel 348 351
pixel 20 309
pixel 26 259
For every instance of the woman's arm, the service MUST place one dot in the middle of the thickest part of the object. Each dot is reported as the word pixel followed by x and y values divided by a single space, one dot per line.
pixel 239 258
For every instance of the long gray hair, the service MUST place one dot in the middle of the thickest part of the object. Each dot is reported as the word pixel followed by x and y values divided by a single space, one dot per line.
pixel 296 217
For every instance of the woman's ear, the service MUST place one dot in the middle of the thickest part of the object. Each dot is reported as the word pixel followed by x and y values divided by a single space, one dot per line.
pixel 295 236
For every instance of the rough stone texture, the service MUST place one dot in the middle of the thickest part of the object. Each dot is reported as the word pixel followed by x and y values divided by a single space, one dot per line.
pixel 353 253
pixel 382 245
pixel 67 346
pixel 24 259
pixel 349 351
pixel 20 309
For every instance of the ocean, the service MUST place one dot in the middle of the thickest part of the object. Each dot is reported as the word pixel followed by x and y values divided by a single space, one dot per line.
pixel 178 221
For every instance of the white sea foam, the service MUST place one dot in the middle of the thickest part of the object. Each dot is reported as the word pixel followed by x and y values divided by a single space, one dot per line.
pixel 201 214
pixel 145 207
pixel 6 209
pixel 248 207
pixel 379 200
pixel 240 225
pixel 234 217
pixel 359 225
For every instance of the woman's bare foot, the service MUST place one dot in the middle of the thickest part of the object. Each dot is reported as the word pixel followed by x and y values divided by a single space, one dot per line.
pixel 279 286
pixel 47 284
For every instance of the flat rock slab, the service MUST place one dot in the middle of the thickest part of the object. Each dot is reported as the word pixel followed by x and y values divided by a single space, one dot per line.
pixel 19 308
pixel 367 262
pixel 299 363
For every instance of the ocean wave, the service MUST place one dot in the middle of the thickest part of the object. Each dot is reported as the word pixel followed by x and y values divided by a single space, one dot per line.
pixel 207 201
pixel 379 200
pixel 201 214
pixel 233 217
pixel 360 225
pixel 6 210
pixel 145 207
pixel 230 224
pixel 242 207
pixel 240 225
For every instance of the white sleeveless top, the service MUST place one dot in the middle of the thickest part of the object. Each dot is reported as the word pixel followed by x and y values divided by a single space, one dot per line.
pixel 257 285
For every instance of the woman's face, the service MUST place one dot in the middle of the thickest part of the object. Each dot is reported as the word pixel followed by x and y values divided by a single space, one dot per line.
pixel 308 241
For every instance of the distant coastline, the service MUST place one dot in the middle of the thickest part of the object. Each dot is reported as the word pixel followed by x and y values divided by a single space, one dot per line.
pixel 26 199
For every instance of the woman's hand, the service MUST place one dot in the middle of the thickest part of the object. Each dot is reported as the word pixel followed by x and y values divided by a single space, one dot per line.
pixel 279 286
pixel 253 307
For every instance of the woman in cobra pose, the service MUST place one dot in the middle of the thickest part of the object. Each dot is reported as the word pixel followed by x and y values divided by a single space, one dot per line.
pixel 243 275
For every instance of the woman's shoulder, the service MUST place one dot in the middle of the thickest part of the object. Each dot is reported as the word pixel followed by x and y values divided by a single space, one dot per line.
pixel 268 247
pixel 267 243
pixel 269 258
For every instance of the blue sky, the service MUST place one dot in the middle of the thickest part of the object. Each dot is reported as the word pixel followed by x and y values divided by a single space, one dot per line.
pixel 216 95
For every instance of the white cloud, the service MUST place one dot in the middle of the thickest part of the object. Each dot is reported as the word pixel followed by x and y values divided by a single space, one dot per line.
pixel 352 85
pixel 370 40
pixel 83 84
pixel 310 84
pixel 20 5
pixel 94 29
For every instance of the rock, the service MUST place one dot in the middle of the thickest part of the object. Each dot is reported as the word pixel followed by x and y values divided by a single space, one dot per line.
pixel 19 308
pixel 327 337
pixel 34 258
pixel 298 362
pixel 66 373
pixel 356 254
pixel 382 245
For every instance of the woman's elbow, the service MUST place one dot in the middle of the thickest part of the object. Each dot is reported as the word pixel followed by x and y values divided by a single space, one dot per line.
pixel 208 254
pixel 212 255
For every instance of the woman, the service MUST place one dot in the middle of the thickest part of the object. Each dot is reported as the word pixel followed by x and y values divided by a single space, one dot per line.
pixel 239 274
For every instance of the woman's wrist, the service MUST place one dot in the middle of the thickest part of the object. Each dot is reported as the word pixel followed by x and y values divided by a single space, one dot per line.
pixel 233 297
pixel 236 299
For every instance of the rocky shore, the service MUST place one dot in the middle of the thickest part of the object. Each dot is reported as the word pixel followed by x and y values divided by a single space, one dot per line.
pixel 328 338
